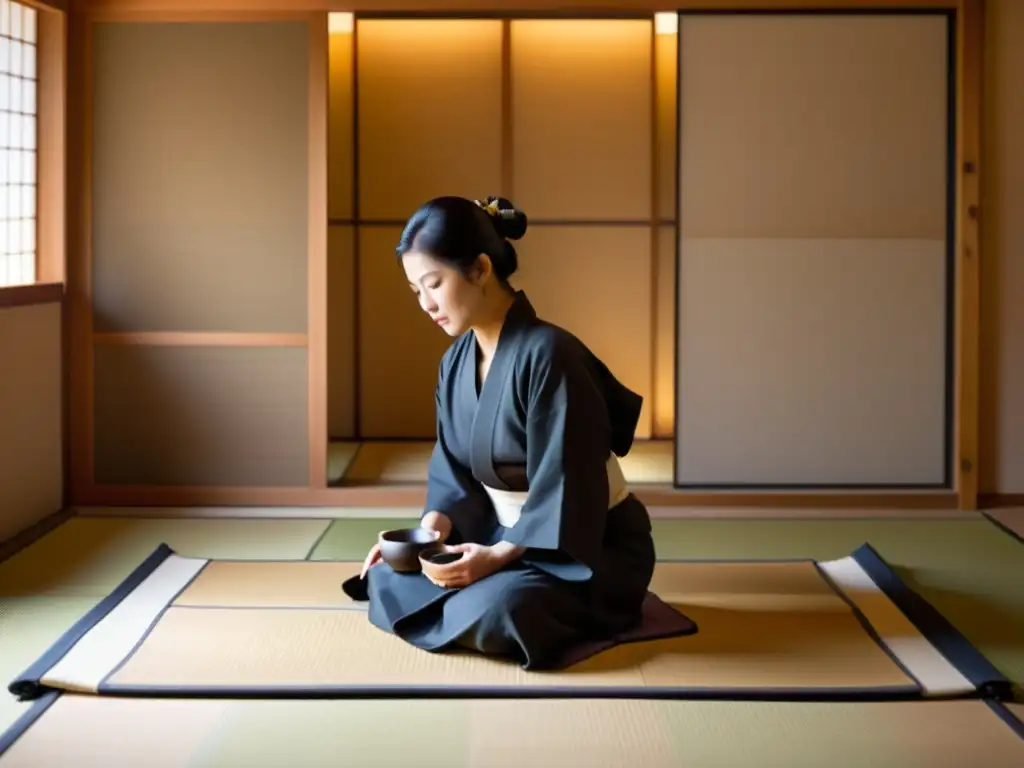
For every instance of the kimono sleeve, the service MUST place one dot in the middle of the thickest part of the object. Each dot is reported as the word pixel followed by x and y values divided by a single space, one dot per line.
pixel 568 432
pixel 453 491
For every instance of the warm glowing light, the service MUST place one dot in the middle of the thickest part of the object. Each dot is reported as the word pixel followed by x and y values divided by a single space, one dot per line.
pixel 340 23
pixel 666 23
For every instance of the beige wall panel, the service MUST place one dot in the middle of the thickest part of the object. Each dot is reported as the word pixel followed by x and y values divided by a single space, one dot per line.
pixel 666 60
pixel 199 168
pixel 216 416
pixel 340 134
pixel 399 348
pixel 596 282
pixel 811 361
pixel 429 112
pixel 31 443
pixel 341 332
pixel 664 386
pixel 581 119
pixel 1002 303
pixel 817 126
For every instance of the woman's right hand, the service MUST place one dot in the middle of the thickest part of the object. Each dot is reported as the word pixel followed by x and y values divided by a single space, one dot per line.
pixel 371 560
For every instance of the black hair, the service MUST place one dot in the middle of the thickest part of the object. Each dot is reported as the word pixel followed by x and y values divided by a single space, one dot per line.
pixel 456 230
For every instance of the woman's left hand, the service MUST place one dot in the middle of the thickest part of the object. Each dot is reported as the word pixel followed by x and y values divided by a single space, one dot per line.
pixel 477 562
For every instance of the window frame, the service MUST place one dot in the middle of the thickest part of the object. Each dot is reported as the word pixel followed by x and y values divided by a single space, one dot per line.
pixel 50 278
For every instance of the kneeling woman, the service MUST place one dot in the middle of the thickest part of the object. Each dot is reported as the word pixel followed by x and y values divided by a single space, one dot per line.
pixel 524 479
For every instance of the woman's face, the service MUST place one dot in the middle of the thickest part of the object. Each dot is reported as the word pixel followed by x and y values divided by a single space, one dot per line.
pixel 448 298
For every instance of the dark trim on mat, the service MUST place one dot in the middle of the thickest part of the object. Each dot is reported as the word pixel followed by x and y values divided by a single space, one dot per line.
pixel 1003 713
pixel 319 540
pixel 28 685
pixel 935 627
pixel 18 728
pixel 400 223
pixel 853 694
pixel 949 282
pixel 1003 527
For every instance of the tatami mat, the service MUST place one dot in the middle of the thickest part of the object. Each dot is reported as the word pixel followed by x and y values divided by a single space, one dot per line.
pixel 969 570
pixel 390 462
pixel 88 557
pixel 339 457
pixel 844 628
pixel 352 539
pixel 116 733
pixel 1012 520
pixel 28 626
pixel 649 461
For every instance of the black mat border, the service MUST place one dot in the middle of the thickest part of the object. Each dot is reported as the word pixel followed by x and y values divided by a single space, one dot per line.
pixel 1003 713
pixel 18 728
pixel 826 695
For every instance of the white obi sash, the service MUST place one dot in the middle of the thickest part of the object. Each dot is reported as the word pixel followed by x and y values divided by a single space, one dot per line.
pixel 508 505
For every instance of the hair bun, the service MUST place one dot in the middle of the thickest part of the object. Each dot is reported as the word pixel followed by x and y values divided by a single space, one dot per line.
pixel 510 222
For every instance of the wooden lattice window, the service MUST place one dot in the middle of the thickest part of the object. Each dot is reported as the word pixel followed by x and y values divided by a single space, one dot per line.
pixel 19 128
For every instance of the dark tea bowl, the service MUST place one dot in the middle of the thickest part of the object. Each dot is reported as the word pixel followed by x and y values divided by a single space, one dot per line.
pixel 401 548
pixel 437 557
pixel 432 560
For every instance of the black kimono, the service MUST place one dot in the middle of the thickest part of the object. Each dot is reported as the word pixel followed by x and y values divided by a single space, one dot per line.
pixel 548 419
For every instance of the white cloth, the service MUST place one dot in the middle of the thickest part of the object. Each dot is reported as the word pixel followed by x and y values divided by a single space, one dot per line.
pixel 508 505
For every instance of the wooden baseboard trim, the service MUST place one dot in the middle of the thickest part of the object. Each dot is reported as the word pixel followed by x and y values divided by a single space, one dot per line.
pixel 666 496
pixel 183 496
pixel 33 533
pixel 1000 500
pixel 413 512
pixel 414 496
pixel 809 513
pixel 198 339
pixel 251 513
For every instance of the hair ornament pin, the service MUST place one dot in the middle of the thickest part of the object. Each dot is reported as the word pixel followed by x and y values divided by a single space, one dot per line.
pixel 492 209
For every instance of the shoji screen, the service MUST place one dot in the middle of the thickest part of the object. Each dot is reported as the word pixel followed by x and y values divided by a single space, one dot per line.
pixel 813 250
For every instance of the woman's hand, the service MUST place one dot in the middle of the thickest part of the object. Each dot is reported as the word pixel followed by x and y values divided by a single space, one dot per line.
pixel 437 521
pixel 372 558
pixel 477 562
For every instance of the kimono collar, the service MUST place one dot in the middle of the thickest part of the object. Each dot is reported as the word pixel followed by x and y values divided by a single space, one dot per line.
pixel 521 312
